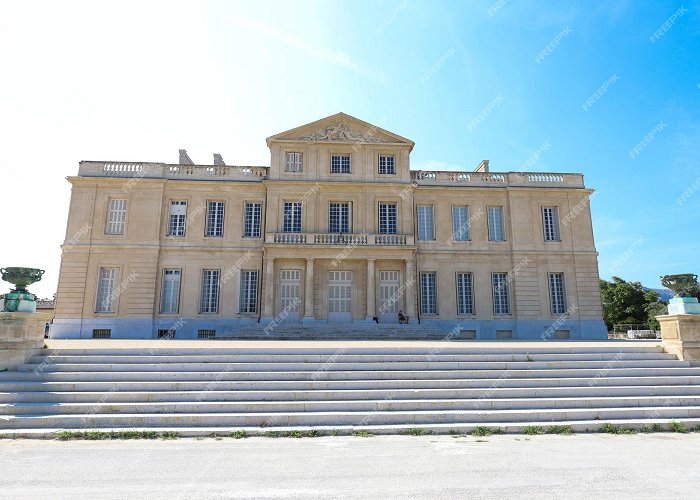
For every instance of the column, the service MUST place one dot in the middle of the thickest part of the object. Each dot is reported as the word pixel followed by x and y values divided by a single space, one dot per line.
pixel 371 290
pixel 410 286
pixel 309 292
pixel 269 288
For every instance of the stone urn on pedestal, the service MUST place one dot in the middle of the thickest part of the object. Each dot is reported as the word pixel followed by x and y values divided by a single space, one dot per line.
pixel 21 331
pixel 680 328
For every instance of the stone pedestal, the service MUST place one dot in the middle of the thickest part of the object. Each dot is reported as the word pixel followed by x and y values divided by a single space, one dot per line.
pixel 683 305
pixel 20 334
pixel 680 335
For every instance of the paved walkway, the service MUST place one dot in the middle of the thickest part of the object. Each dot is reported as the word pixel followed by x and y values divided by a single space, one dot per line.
pixel 434 467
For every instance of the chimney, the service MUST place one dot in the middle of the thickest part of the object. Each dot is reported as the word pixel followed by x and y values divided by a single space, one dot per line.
pixel 185 158
pixel 218 160
pixel 483 166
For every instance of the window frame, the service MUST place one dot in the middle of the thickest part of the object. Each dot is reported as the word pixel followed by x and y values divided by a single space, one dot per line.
pixel 471 305
pixel 101 294
pixel 297 163
pixel 424 304
pixel 551 292
pixel 422 229
pixel 208 220
pixel 347 215
pixel 504 283
pixel 555 236
pixel 387 204
pixel 162 290
pixel 171 226
pixel 341 164
pixel 386 166
pixel 492 229
pixel 109 216
pixel 253 233
pixel 463 227
pixel 245 304
pixel 293 220
pixel 215 290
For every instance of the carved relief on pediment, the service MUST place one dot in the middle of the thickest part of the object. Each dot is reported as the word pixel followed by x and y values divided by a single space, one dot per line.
pixel 342 133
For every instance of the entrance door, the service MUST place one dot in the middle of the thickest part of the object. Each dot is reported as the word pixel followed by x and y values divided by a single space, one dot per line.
pixel 290 295
pixel 340 296
pixel 389 297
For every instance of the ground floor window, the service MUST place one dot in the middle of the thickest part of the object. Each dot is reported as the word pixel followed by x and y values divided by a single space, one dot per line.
pixel 249 292
pixel 428 293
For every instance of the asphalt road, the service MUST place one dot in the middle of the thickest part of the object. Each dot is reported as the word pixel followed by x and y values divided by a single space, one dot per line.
pixel 435 467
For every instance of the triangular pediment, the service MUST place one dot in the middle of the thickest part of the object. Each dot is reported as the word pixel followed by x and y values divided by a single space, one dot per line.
pixel 341 128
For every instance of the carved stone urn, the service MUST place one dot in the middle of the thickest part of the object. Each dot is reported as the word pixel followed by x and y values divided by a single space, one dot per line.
pixel 19 299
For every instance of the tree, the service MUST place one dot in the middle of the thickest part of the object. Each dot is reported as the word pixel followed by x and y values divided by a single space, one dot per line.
pixel 625 302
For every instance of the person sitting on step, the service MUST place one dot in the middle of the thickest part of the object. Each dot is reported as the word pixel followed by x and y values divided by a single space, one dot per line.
pixel 403 320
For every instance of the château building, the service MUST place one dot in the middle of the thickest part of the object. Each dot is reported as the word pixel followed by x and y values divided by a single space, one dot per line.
pixel 337 229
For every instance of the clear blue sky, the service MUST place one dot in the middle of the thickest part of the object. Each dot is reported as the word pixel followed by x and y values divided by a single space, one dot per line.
pixel 138 80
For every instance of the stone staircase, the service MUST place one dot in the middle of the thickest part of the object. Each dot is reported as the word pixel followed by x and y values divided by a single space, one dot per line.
pixel 439 387
pixel 352 331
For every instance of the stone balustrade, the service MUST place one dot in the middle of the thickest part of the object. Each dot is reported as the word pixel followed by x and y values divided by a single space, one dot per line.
pixel 505 179
pixel 340 239
pixel 166 171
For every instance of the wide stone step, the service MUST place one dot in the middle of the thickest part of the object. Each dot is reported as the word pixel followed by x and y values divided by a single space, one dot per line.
pixel 357 418
pixel 345 358
pixel 355 366
pixel 122 395
pixel 321 375
pixel 381 405
pixel 28 386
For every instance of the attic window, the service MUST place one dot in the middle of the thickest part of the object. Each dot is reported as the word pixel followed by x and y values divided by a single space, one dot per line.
pixel 340 164
pixel 386 165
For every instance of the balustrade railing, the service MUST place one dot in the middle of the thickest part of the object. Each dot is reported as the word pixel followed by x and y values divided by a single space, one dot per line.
pixel 339 239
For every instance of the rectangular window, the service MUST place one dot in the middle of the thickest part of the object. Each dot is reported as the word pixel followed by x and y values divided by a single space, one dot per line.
pixel 206 334
pixel 167 334
pixel 209 301
pixel 292 217
pixel 101 333
pixel 426 227
pixel 557 293
pixel 215 219
pixel 251 220
pixel 501 296
pixel 249 292
pixel 170 294
pixel 460 224
pixel 106 283
pixel 386 165
pixel 116 217
pixel 178 218
pixel 428 293
pixel 550 222
pixel 294 162
pixel 495 221
pixel 340 164
pixel 339 217
pixel 465 295
pixel 387 218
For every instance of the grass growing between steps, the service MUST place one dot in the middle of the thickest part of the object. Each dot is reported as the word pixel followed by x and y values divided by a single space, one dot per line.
pixel 362 434
pixel 485 431
pixel 101 435
pixel 290 434
pixel 617 429
pixel 415 431
pixel 533 430
pixel 564 430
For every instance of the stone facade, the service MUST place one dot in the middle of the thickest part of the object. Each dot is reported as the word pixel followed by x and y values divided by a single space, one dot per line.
pixel 346 233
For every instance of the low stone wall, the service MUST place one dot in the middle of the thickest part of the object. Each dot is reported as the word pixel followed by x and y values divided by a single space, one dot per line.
pixel 20 335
